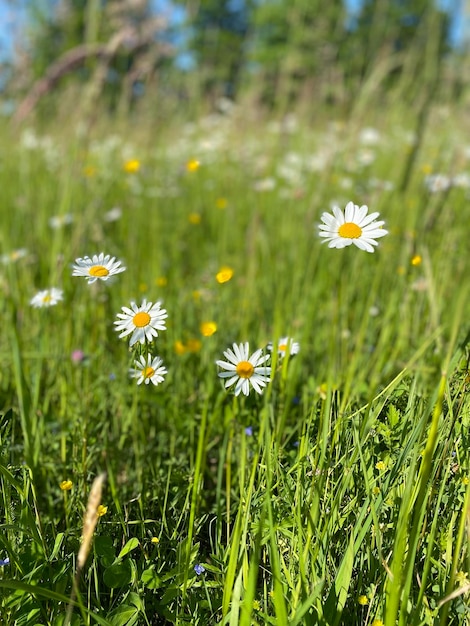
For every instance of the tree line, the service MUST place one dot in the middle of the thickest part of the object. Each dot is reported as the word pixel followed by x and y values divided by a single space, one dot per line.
pixel 282 50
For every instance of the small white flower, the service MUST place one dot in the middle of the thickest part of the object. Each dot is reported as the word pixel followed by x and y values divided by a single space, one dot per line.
pixel 245 370
pixel 461 180
pixel 58 221
pixel 369 136
pixel 352 227
pixel 265 184
pixel 113 215
pixel 437 182
pixel 98 267
pixel 143 321
pixel 148 370
pixel 14 255
pixel 47 297
pixel 285 345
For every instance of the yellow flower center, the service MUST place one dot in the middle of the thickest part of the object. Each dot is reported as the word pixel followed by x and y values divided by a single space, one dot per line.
pixel 98 270
pixel 282 347
pixel 245 369
pixel 148 372
pixel 350 230
pixel 141 319
pixel 47 298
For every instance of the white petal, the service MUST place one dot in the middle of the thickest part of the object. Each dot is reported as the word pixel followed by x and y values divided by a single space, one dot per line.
pixel 339 215
pixel 368 219
pixel 362 245
pixel 350 212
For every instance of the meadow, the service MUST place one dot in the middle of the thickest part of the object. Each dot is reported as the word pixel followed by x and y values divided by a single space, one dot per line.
pixel 338 495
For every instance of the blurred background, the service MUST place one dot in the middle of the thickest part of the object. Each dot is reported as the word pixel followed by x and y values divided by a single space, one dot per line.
pixel 195 56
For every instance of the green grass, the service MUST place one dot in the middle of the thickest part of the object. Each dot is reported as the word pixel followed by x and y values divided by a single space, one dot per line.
pixel 354 480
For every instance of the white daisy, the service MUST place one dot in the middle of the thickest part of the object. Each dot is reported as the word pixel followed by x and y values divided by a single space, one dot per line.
pixel 47 297
pixel 285 345
pixel 97 267
pixel 354 226
pixel 245 370
pixel 148 370
pixel 143 321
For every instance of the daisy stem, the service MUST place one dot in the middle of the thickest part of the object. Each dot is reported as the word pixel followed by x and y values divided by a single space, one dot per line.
pixel 228 478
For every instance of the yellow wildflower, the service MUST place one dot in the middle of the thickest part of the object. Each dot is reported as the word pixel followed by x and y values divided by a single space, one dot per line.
pixel 101 510
pixel 221 203
pixel 193 345
pixel 89 171
pixel 208 328
pixel 179 347
pixel 416 260
pixel 66 485
pixel 193 165
pixel 132 166
pixel 194 218
pixel 224 274
pixel 363 600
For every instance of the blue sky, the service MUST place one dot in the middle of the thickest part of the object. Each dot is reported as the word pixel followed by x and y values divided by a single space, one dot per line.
pixel 12 19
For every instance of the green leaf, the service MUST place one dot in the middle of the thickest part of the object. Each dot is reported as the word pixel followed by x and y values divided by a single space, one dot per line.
pixel 36 590
pixel 57 544
pixel 132 544
pixel 124 616
pixel 104 550
pixel 118 575
pixel 339 592
pixel 150 579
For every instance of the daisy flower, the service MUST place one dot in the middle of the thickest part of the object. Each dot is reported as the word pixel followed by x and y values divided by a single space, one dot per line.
pixel 244 370
pixel 354 226
pixel 97 267
pixel 148 370
pixel 143 321
pixel 47 297
pixel 285 345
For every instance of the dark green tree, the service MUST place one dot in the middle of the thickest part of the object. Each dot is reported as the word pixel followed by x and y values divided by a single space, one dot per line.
pixel 296 46
pixel 412 34
pixel 217 40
